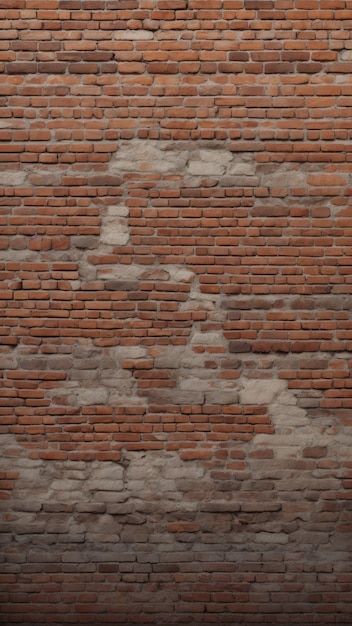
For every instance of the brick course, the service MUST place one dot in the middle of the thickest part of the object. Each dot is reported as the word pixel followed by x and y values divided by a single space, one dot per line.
pixel 175 280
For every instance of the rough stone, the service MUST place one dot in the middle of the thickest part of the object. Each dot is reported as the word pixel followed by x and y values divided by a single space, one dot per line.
pixel 261 391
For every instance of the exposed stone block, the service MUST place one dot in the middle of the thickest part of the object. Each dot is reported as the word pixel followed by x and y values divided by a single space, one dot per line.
pixel 175 288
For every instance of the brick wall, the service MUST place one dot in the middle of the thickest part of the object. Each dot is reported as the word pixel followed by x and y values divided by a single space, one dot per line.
pixel 176 290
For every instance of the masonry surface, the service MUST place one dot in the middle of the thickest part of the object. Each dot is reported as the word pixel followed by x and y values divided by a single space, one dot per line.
pixel 176 292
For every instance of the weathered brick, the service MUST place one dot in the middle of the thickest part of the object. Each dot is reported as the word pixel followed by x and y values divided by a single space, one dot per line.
pixel 176 296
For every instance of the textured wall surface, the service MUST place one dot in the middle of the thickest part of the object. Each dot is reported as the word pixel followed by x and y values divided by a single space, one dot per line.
pixel 176 290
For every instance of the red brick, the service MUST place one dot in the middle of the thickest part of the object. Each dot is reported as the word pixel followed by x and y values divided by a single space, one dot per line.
pixel 157 67
pixel 175 300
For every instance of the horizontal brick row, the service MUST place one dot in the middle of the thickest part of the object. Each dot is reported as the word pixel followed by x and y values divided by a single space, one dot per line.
pixel 175 71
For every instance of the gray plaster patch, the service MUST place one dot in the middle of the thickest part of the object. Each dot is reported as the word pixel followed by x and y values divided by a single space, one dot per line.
pixel 12 179
pixel 261 391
